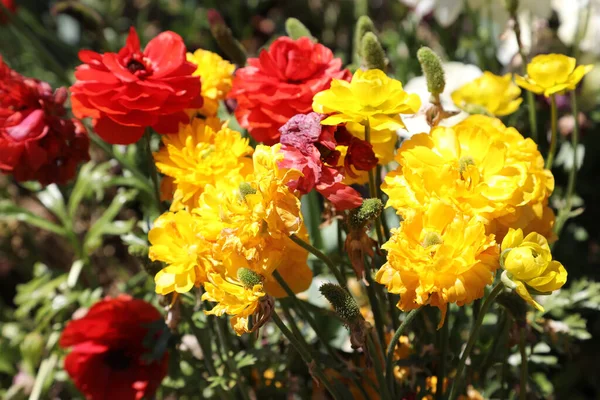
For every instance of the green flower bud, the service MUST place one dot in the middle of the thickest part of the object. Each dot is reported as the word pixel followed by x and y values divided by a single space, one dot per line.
pixel 249 278
pixel 224 37
pixel 433 71
pixel 296 29
pixel 373 52
pixel 246 189
pixel 343 303
pixel 363 25
pixel 368 211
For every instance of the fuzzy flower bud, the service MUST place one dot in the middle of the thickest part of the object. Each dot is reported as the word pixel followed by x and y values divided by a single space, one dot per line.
pixel 246 189
pixel 363 25
pixel 529 267
pixel 343 303
pixel 433 71
pixel 224 37
pixel 368 211
pixel 296 29
pixel 372 52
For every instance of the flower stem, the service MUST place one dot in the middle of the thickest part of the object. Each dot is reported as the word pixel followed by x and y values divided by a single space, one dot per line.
pixel 305 354
pixel 473 338
pixel 504 370
pixel 321 256
pixel 373 186
pixel 389 361
pixel 554 138
pixel 441 374
pixel 385 393
pixel 234 372
pixel 563 214
pixel 522 349
pixel 152 170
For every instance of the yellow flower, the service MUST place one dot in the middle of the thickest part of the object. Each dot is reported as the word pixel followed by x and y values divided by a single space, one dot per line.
pixel 439 256
pixel 550 74
pixel 216 76
pixel 489 94
pixel 233 299
pixel 371 95
pixel 176 241
pixel 202 153
pixel 483 168
pixel 529 265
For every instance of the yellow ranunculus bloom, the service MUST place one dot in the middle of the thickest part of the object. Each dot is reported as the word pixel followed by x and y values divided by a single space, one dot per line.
pixel 371 95
pixel 202 153
pixel 233 299
pixel 529 264
pixel 550 74
pixel 483 168
pixel 489 94
pixel 216 76
pixel 439 256
pixel 176 241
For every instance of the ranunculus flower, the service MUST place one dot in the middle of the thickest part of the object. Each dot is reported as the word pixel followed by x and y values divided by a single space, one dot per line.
pixel 489 94
pixel 372 96
pixel 529 265
pixel 282 83
pixel 107 358
pixel 126 92
pixel 550 74
pixel 309 147
pixel 36 141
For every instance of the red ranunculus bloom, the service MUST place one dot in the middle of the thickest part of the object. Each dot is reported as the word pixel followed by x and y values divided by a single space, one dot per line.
pixel 126 92
pixel 36 141
pixel 281 83
pixel 309 147
pixel 107 361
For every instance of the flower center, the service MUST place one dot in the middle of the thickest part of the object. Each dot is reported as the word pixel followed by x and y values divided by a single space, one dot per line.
pixel 431 239
pixel 464 162
pixel 136 66
pixel 117 359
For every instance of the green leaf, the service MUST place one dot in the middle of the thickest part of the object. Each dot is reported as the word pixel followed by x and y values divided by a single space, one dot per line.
pixel 53 200
pixel 9 210
pixel 91 178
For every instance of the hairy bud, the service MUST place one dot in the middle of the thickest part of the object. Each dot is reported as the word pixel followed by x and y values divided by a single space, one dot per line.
pixel 372 52
pixel 249 278
pixel 343 303
pixel 368 211
pixel 224 37
pixel 363 25
pixel 433 71
pixel 296 29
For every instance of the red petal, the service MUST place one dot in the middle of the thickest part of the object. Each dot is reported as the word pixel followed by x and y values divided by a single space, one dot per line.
pixel 114 133
pixel 166 53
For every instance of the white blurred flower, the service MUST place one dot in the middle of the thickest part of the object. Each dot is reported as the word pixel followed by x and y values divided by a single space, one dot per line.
pixel 572 15
pixel 445 12
pixel 457 75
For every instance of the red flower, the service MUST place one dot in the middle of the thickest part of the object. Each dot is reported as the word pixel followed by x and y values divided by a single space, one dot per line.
pixel 126 92
pixel 281 83
pixel 359 155
pixel 107 357
pixel 309 147
pixel 36 141
pixel 10 6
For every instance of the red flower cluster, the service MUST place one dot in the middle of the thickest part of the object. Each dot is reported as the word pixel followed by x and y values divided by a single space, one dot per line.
pixel 36 141
pixel 126 92
pixel 282 83
pixel 310 148
pixel 107 357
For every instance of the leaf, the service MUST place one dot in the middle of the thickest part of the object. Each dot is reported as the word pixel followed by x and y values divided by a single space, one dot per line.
pixel 74 273
pixel 105 224
pixel 9 210
pixel 91 178
pixel 53 200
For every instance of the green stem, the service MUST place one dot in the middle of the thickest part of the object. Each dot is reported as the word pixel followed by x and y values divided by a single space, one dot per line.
pixel 389 361
pixel 376 307
pixel 473 338
pixel 441 374
pixel 385 393
pixel 152 170
pixel 554 138
pixel 504 370
pixel 522 349
pixel 563 214
pixel 373 186
pixel 493 350
pixel 305 354
pixel 321 256
pixel 234 372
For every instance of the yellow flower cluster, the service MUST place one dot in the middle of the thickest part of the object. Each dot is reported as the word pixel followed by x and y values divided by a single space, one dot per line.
pixel 216 75
pixel 489 94
pixel 233 232
pixel 459 190
pixel 201 153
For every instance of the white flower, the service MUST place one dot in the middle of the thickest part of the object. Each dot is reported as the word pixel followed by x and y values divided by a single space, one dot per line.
pixel 572 15
pixel 457 75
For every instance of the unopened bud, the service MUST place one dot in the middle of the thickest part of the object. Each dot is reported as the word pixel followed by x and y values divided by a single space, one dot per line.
pixel 372 52
pixel 343 303
pixel 249 278
pixel 296 29
pixel 368 211
pixel 224 37
pixel 363 25
pixel 433 71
